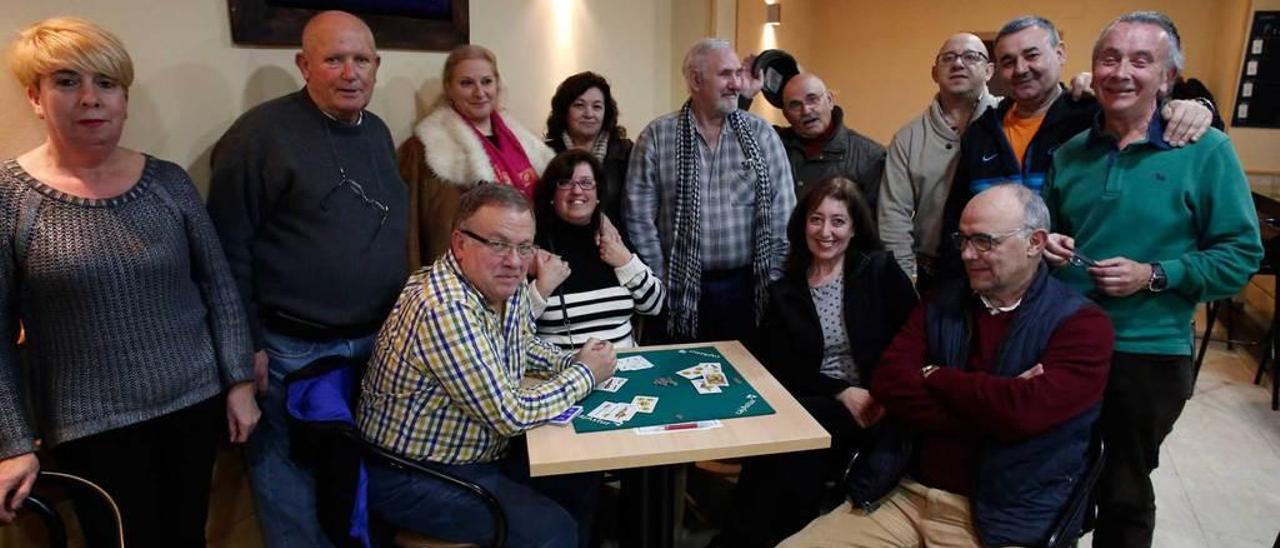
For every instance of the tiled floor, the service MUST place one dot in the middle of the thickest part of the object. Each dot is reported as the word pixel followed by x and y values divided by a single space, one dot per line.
pixel 1218 483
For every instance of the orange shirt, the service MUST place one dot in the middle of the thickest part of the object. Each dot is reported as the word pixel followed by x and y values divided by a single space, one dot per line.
pixel 1019 131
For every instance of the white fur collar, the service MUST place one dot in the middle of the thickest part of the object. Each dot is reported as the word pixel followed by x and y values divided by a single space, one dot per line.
pixel 455 154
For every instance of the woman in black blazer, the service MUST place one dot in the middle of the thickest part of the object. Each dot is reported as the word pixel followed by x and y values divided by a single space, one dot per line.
pixel 840 302
pixel 584 116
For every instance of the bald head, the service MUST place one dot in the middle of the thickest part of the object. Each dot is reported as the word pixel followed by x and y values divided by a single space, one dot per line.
pixel 807 105
pixel 340 64
pixel 958 77
pixel 325 23
pixel 1014 221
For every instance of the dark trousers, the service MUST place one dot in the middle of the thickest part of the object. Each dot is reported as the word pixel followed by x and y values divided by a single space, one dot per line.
pixel 544 512
pixel 158 471
pixel 777 495
pixel 1145 395
pixel 726 310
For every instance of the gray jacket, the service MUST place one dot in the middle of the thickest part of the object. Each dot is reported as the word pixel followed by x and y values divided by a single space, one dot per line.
pixel 848 154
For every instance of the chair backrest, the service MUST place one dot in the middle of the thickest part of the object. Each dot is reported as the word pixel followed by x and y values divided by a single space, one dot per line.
pixel 319 399
pixel 1077 517
pixel 45 507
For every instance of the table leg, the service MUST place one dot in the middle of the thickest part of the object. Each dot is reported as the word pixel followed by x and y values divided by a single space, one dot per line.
pixel 649 498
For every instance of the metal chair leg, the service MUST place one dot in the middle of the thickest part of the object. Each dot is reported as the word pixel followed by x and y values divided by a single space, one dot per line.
pixel 1266 354
pixel 1210 315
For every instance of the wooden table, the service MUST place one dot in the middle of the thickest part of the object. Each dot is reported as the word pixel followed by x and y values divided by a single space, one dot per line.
pixel 559 450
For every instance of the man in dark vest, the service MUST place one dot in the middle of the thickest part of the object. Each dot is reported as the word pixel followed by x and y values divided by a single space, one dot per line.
pixel 992 388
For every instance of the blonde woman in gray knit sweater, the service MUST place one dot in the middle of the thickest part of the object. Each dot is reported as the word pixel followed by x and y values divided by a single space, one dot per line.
pixel 138 349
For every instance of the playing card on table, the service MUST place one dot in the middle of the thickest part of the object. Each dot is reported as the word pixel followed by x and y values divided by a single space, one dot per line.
pixel 568 415
pixel 715 379
pixel 703 388
pixel 633 363
pixel 710 367
pixel 622 413
pixel 603 410
pixel 612 384
pixel 644 404
pixel 691 372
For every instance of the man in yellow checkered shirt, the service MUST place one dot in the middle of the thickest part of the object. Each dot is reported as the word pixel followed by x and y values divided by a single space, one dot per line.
pixel 444 387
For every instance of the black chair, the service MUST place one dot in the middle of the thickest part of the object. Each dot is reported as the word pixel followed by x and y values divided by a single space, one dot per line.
pixel 1080 509
pixel 1271 341
pixel 329 443
pixel 45 506
pixel 395 461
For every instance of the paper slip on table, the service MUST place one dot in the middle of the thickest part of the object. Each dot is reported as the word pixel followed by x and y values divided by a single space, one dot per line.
pixel 562 450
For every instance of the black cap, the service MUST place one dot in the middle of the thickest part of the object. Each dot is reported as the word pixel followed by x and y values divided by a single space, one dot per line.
pixel 776 67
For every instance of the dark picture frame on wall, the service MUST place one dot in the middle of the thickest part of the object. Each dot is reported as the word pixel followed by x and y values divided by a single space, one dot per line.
pixel 428 25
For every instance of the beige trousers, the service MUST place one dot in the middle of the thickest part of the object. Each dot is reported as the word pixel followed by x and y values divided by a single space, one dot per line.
pixel 912 515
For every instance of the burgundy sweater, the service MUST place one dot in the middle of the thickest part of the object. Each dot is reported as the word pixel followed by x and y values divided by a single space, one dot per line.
pixel 957 410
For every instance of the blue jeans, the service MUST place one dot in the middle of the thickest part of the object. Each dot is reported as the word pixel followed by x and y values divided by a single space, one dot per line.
pixel 550 512
pixel 284 493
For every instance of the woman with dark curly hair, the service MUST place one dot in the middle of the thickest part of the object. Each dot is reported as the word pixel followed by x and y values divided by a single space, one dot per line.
pixel 584 116
pixel 838 305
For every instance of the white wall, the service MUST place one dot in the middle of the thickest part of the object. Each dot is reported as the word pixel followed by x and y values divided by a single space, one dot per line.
pixel 192 81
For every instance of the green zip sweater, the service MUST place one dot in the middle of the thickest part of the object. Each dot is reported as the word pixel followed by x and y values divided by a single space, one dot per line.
pixel 1189 209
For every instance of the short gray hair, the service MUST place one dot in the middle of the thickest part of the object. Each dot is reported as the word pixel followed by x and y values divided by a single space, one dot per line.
pixel 695 61
pixel 1176 59
pixel 489 194
pixel 1035 214
pixel 1027 21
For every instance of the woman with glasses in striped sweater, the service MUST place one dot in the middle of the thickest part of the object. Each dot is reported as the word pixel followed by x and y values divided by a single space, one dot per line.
pixel 587 283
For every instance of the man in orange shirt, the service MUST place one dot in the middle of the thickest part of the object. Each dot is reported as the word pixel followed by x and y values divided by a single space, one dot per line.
pixel 1014 142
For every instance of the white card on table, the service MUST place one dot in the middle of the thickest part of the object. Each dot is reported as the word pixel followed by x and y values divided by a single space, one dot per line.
pixel 703 388
pixel 602 411
pixel 633 363
pixel 622 413
pixel 644 404
pixel 612 384
pixel 691 372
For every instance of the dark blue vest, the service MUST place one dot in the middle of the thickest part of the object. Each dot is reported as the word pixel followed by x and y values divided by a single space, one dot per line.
pixel 1020 487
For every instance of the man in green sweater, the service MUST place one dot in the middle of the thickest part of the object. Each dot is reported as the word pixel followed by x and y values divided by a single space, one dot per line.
pixel 1171 227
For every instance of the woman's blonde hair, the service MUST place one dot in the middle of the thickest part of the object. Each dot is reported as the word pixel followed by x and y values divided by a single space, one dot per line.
pixel 463 53
pixel 61 43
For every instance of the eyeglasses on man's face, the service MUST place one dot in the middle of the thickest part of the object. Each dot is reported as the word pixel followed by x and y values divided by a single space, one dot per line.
pixel 982 242
pixel 524 251
pixel 967 57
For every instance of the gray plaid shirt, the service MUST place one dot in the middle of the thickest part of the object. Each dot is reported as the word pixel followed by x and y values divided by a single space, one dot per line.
pixel 728 196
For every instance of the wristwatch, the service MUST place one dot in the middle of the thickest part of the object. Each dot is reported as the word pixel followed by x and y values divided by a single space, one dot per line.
pixel 927 370
pixel 1159 281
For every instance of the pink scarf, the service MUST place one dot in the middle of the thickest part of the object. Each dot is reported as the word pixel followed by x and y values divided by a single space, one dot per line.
pixel 510 163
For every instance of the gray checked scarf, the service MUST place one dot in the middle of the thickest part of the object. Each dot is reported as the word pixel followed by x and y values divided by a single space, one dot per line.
pixel 684 275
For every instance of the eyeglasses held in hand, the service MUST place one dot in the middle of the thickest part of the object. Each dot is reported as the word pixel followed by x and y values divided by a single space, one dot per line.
pixel 501 248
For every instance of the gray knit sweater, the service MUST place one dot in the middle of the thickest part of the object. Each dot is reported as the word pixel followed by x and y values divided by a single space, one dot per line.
pixel 129 307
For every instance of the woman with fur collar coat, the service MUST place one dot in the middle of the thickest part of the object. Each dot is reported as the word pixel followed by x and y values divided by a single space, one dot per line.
pixel 464 141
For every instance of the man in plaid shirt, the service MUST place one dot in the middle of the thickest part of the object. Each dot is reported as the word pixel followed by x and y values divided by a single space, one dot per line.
pixel 444 387
pixel 708 194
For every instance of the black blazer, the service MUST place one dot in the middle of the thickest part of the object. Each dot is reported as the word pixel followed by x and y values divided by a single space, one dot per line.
pixel 878 297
